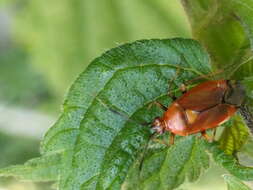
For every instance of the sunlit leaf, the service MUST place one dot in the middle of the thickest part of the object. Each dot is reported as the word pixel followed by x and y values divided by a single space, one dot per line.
pixel 234 136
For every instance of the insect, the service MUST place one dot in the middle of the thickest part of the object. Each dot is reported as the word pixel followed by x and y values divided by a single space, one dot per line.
pixel 203 107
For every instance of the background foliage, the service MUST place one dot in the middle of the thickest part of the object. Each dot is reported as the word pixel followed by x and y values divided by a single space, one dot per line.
pixel 64 38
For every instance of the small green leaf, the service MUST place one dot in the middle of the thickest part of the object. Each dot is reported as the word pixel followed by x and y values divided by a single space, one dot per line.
pixel 230 163
pixel 169 167
pixel 234 183
pixel 100 146
pixel 234 136
pixel 247 148
pixel 44 168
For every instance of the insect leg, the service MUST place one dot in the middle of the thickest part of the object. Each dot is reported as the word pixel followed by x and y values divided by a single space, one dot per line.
pixel 183 88
pixel 203 133
pixel 158 104
pixel 160 141
pixel 214 133
pixel 171 142
pixel 172 139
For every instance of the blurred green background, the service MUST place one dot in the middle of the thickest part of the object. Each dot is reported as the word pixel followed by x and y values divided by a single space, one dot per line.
pixel 44 45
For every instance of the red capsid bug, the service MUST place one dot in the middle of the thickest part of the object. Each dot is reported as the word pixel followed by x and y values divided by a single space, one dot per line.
pixel 203 107
pixel 206 106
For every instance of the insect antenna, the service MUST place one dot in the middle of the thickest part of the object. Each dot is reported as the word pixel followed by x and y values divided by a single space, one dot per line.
pixel 230 69
pixel 121 113
pixel 125 116
pixel 226 72
pixel 207 76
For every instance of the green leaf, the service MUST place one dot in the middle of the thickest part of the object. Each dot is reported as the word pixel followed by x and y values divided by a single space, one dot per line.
pixel 44 168
pixel 230 163
pixel 234 136
pixel 100 146
pixel 224 27
pixel 234 183
pixel 169 167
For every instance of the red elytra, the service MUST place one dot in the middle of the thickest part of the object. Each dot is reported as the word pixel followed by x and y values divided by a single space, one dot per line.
pixel 203 107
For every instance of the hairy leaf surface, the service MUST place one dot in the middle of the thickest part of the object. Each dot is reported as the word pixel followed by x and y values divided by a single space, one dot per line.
pixel 167 168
